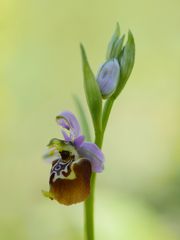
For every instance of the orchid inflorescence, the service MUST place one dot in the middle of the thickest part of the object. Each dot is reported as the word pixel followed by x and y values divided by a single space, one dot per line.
pixel 73 160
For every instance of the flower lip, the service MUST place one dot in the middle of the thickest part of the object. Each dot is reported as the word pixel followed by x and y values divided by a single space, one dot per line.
pixel 70 191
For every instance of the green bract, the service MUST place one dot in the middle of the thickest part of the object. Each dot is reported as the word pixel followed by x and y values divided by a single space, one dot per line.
pixel 118 47
pixel 92 91
pixel 126 61
pixel 112 44
pixel 125 56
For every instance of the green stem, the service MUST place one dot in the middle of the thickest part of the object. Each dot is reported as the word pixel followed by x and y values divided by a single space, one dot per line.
pixel 89 203
pixel 106 112
pixel 89 211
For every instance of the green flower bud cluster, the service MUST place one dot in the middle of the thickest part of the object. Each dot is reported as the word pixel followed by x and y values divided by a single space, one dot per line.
pixel 123 58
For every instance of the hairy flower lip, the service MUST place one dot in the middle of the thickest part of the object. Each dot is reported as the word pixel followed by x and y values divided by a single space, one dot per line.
pixel 67 191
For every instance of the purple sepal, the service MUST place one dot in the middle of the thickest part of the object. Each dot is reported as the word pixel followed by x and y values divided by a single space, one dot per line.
pixel 79 141
pixel 91 152
pixel 68 121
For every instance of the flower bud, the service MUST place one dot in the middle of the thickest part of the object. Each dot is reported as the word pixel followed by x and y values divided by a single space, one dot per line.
pixel 108 77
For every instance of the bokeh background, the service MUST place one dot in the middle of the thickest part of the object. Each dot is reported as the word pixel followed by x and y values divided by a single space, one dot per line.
pixel 138 194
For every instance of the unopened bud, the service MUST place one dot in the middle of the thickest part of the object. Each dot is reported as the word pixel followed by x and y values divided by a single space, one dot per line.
pixel 108 77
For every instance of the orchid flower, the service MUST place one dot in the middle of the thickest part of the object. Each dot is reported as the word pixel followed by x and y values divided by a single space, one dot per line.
pixel 73 161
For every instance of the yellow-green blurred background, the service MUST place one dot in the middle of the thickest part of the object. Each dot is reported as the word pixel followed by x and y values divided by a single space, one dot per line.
pixel 138 194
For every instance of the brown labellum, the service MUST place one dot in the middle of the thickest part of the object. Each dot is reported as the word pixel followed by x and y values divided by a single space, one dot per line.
pixel 70 191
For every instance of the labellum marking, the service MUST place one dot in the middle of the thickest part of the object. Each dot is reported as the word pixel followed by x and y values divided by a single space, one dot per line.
pixel 61 169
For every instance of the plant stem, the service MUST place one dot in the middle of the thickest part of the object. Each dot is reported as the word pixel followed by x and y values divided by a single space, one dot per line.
pixel 89 203
pixel 89 211
pixel 106 112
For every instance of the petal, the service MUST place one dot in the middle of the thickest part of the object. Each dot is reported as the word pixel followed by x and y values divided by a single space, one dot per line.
pixel 51 155
pixel 68 121
pixel 70 191
pixel 91 152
